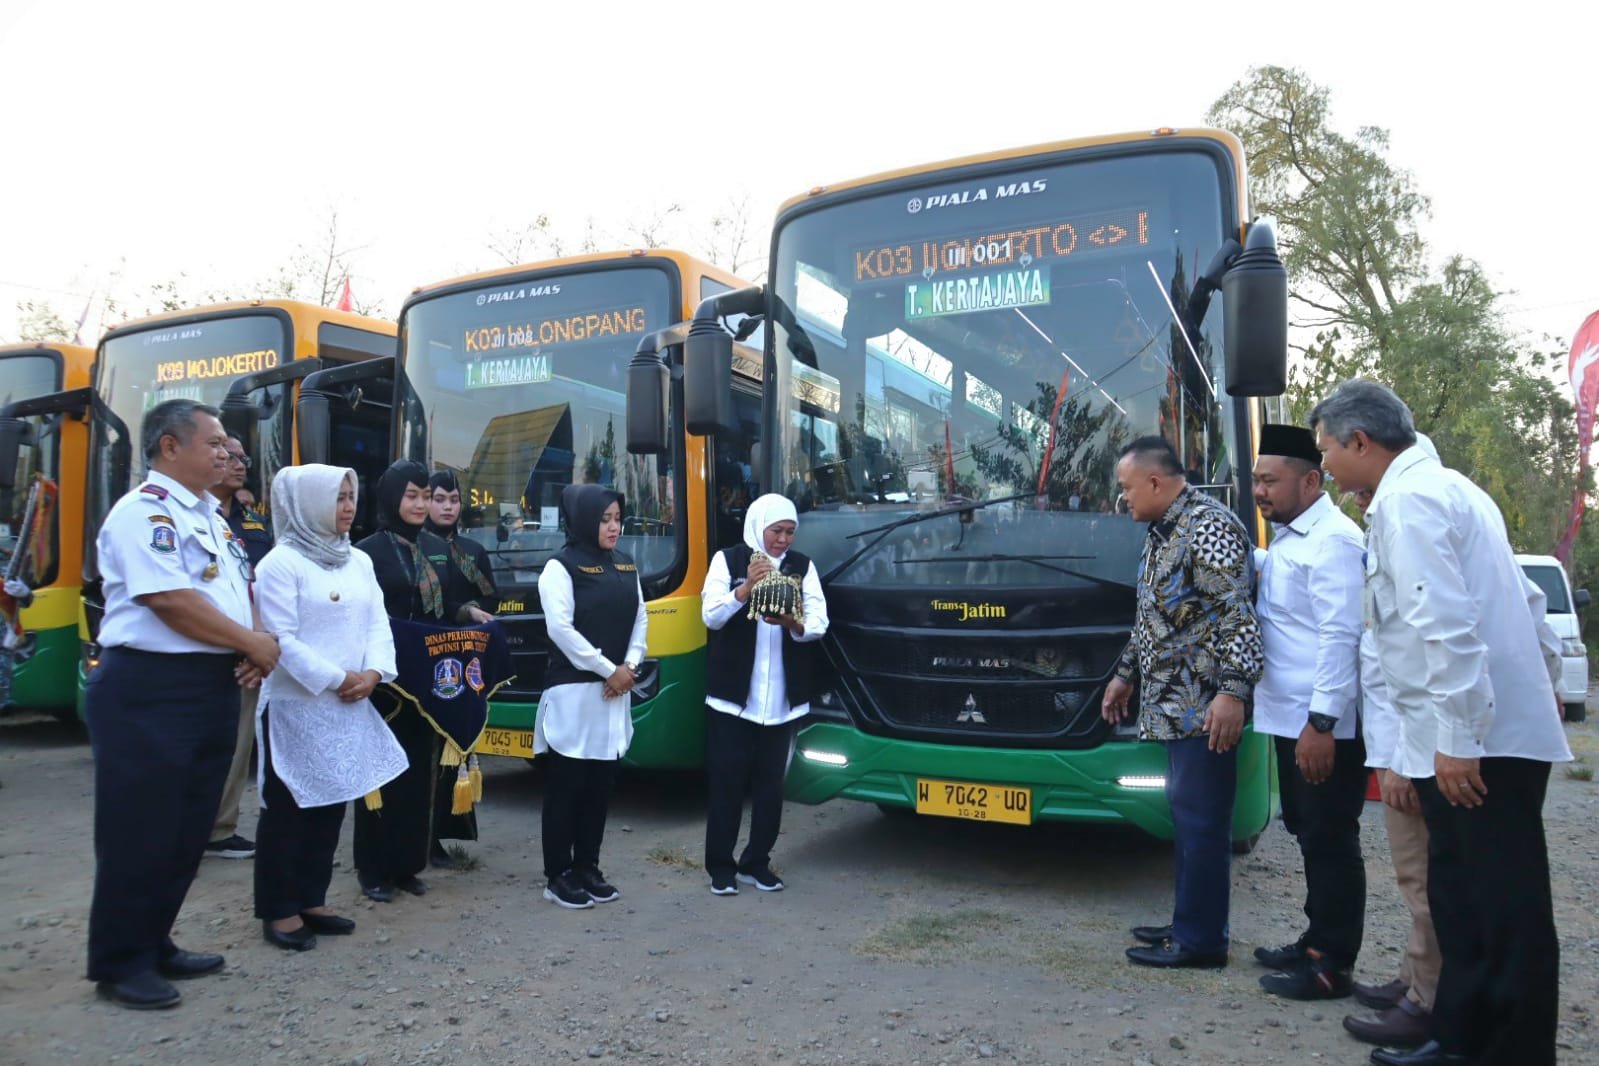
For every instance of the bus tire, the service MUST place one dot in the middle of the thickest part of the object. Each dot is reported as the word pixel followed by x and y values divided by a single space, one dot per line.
pixel 1245 845
pixel 1576 712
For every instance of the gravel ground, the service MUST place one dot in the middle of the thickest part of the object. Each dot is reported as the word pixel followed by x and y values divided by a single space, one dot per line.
pixel 899 940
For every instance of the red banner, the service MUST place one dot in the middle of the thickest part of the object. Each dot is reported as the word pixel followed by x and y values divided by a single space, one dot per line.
pixel 1584 371
pixel 346 301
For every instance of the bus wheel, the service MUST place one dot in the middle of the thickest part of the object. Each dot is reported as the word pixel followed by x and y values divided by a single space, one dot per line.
pixel 1576 712
pixel 1245 845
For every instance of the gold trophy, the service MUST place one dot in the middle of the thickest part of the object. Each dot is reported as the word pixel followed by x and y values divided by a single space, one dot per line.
pixel 777 594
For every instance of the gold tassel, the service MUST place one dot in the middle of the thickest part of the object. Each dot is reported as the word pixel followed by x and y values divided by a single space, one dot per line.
pixel 374 800
pixel 452 754
pixel 461 802
pixel 476 774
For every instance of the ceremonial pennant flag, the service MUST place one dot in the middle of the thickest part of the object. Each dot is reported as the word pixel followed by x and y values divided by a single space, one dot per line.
pixel 1584 372
pixel 448 674
pixel 346 301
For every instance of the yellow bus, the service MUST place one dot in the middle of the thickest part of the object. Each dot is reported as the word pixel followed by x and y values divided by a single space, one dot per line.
pixel 247 358
pixel 41 521
pixel 955 355
pixel 515 380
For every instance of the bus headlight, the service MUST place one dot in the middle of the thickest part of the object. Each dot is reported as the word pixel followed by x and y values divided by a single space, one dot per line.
pixel 826 758
pixel 1141 781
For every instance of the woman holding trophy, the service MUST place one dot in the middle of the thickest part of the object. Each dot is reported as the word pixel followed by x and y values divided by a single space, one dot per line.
pixel 763 606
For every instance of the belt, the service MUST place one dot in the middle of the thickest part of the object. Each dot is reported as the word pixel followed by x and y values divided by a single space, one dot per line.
pixel 198 658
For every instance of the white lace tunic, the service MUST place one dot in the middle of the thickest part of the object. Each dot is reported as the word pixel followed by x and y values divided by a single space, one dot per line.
pixel 327 621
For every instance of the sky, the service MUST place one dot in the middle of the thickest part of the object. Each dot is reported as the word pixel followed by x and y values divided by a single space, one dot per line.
pixel 211 141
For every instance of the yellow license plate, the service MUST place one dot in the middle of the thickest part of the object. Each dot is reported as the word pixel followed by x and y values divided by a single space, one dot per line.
pixel 980 803
pixel 517 743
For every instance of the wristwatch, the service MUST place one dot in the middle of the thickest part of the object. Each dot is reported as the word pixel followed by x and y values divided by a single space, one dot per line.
pixel 1323 723
pixel 632 667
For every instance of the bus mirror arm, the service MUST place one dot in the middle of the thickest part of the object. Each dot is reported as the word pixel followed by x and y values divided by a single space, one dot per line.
pixel 708 359
pixel 1206 285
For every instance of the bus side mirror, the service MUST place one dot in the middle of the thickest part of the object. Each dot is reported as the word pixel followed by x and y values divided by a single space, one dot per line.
pixel 708 379
pixel 1581 599
pixel 647 382
pixel 313 419
pixel 14 434
pixel 1255 308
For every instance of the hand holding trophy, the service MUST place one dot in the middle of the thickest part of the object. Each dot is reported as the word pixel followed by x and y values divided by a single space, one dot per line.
pixel 775 595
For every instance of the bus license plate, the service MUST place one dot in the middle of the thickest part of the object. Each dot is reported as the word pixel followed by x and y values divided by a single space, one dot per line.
pixel 517 743
pixel 980 803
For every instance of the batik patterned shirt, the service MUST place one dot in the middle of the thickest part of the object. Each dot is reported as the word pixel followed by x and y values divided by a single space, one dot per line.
pixel 1195 634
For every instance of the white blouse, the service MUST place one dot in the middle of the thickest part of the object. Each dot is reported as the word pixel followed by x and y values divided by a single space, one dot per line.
pixel 767 703
pixel 327 622
pixel 575 719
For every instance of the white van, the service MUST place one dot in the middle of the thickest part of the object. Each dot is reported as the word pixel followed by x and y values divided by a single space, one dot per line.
pixel 1547 573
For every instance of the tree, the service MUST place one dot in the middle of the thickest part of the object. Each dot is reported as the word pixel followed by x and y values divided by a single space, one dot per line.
pixel 317 270
pixel 37 320
pixel 1364 290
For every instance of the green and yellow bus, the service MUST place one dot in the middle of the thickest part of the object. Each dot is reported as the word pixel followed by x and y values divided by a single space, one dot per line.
pixel 955 355
pixel 515 380
pixel 247 358
pixel 41 521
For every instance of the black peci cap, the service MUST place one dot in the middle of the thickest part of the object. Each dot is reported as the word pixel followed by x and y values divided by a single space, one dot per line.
pixel 1295 442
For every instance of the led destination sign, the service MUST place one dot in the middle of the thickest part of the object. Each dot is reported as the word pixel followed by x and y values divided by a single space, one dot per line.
pixel 1021 246
pixel 561 329
pixel 216 366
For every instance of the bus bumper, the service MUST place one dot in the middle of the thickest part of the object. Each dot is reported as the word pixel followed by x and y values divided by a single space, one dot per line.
pixel 1117 782
pixel 668 728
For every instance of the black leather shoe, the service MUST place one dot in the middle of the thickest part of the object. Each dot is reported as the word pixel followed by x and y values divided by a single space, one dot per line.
pixel 142 991
pixel 1151 934
pixel 1381 997
pixel 1428 1054
pixel 182 965
pixel 301 939
pixel 414 885
pixel 377 891
pixel 1283 958
pixel 1403 1025
pixel 1171 955
pixel 328 924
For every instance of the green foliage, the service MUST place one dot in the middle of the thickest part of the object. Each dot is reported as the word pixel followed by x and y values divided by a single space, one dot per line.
pixel 1365 292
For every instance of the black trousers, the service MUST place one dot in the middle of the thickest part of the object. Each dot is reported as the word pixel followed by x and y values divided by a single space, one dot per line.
pixel 743 758
pixel 294 846
pixel 1488 886
pixel 391 843
pixel 577 798
pixel 1325 819
pixel 162 728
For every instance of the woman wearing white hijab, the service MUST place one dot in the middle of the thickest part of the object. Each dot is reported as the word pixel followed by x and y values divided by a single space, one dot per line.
pixel 322 742
pixel 760 678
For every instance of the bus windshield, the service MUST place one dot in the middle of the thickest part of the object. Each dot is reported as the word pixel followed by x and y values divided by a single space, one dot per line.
pixel 196 360
pixel 520 388
pixel 23 377
pixel 1001 335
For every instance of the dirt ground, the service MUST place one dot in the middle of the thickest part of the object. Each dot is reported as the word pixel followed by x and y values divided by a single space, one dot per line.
pixel 899 940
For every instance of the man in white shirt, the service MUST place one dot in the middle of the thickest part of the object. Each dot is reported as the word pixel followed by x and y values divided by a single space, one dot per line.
pixel 1458 650
pixel 1309 605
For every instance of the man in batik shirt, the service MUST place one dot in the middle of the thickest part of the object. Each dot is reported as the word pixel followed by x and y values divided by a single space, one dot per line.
pixel 1196 655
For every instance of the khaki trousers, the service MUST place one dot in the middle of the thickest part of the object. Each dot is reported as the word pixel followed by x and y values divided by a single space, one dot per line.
pixel 227 822
pixel 1407 840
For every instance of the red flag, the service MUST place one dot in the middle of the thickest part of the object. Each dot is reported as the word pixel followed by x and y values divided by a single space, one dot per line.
pixel 949 462
pixel 1049 449
pixel 346 301
pixel 1584 371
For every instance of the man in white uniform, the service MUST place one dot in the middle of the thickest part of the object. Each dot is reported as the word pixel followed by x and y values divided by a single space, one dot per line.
pixel 1458 649
pixel 1309 605
pixel 162 705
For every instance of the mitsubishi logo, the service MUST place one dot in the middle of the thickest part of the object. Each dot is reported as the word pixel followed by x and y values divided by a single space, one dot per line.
pixel 970 713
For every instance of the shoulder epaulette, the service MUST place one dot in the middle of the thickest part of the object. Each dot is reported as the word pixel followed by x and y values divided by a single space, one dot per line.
pixel 155 490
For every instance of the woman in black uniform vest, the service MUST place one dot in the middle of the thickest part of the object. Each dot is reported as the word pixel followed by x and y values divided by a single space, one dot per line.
pixel 760 678
pixel 419 583
pixel 471 558
pixel 594 614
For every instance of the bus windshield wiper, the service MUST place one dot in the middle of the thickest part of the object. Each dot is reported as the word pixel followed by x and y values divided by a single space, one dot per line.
pixel 912 519
pixel 1036 560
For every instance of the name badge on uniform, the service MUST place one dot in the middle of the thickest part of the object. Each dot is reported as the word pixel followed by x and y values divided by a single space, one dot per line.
pixel 211 570
pixel 164 539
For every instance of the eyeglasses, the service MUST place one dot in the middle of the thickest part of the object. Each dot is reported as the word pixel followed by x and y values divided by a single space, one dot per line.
pixel 241 557
pixel 239 460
